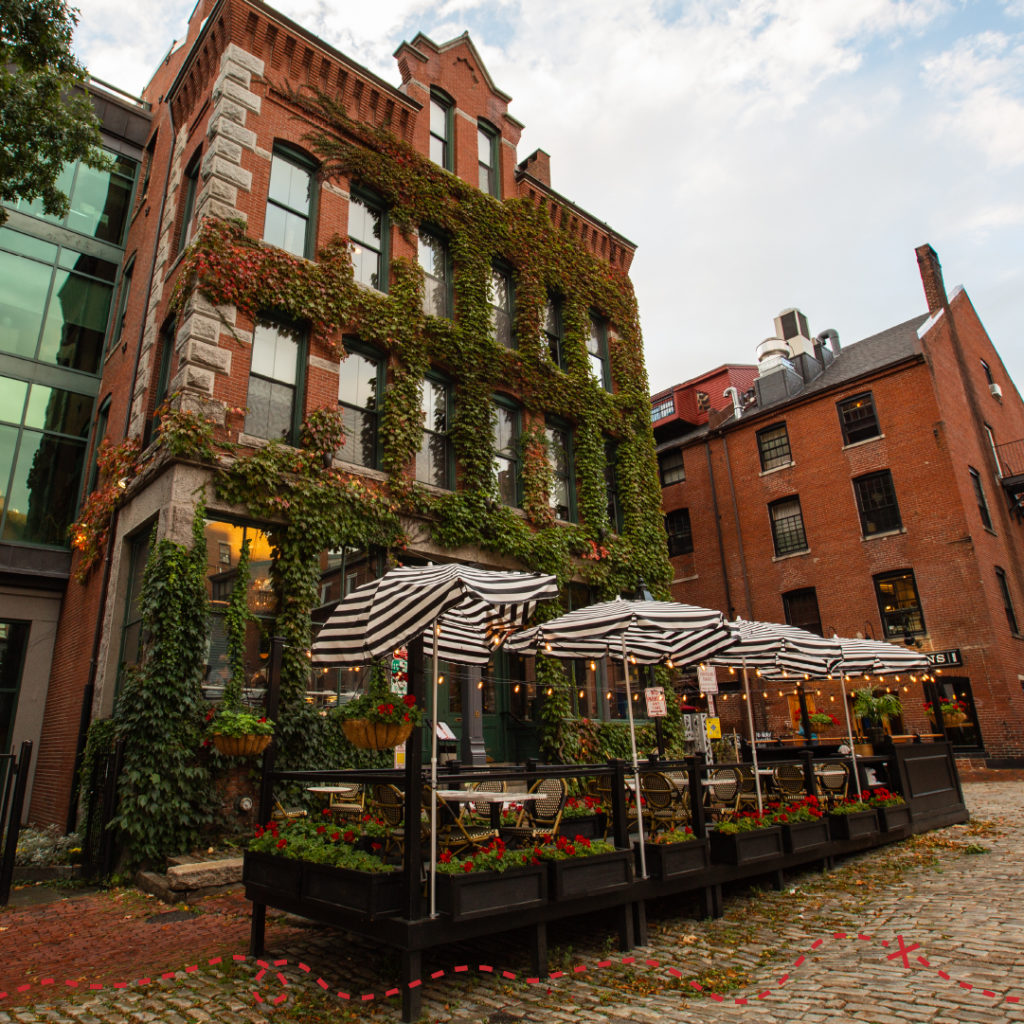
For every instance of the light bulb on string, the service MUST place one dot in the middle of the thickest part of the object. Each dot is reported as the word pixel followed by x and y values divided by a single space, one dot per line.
pixel 515 689
pixel 440 680
pixel 480 685
pixel 593 666
pixel 581 694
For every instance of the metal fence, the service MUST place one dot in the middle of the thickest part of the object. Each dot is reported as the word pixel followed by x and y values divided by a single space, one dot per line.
pixel 99 847
pixel 14 770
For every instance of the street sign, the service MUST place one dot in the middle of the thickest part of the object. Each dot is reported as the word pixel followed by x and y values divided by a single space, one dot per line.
pixel 945 659
pixel 707 679
pixel 657 706
pixel 400 671
pixel 714 728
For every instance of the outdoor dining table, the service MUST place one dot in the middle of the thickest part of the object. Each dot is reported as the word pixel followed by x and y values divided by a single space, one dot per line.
pixel 340 807
pixel 494 800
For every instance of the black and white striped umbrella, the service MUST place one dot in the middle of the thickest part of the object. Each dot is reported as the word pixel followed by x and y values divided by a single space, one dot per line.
pixel 649 632
pixel 474 610
pixel 877 658
pixel 779 650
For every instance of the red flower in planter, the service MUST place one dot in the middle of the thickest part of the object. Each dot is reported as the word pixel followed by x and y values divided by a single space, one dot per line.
pixel 334 836
pixel 321 828
pixel 409 700
pixel 445 857
pixel 349 836
pixel 468 866
pixel 282 843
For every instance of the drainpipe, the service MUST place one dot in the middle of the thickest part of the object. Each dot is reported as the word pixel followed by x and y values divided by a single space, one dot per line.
pixel 718 531
pixel 89 693
pixel 739 530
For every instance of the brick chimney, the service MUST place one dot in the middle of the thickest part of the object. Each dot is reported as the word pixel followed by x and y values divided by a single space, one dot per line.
pixel 538 165
pixel 931 277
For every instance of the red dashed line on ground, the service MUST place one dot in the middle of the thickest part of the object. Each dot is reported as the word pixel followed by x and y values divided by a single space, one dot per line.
pixel 267 968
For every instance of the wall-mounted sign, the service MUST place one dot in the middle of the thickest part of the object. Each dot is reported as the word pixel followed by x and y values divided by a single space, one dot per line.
pixel 657 706
pixel 945 659
pixel 707 679
pixel 714 728
pixel 400 671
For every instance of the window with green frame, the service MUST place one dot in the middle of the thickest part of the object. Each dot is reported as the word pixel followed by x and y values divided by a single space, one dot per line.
pixel 611 484
pixel 553 338
pixel 122 304
pixel 291 202
pixel 437 274
pixel 187 191
pixel 435 461
pixel 276 378
pixel 442 110
pixel 131 632
pixel 507 430
pixel 368 240
pixel 99 433
pixel 562 498
pixel 360 390
pixel 597 350
pixel 501 296
pixel 488 149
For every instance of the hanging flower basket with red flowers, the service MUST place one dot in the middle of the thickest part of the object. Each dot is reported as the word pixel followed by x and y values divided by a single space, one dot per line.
pixel 375 722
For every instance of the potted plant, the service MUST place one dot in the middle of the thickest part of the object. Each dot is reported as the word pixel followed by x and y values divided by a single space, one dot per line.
pixel 674 853
pixel 852 818
pixel 379 719
pixel 233 728
pixel 585 816
pixel 746 837
pixel 824 720
pixel 893 811
pixel 492 880
pixel 582 867
pixel 954 712
pixel 873 708
pixel 320 867
pixel 804 824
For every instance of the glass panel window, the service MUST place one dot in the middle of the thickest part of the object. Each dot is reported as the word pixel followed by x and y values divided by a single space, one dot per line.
pixel 500 299
pixel 670 467
pixel 131 635
pixel 434 459
pixel 553 340
pixel 876 503
pixel 487 158
pixel 441 131
pixel 979 497
pixel 562 498
pixel 122 304
pixel 289 204
pixel 76 322
pixel 273 381
pixel 187 189
pixel 360 385
pixel 367 233
pixel 858 419
pixel 898 604
pixel 801 609
pixel 773 447
pixel 1004 590
pixel 661 409
pixel 13 647
pixel 611 485
pixel 597 351
pixel 433 259
pixel 680 535
pixel 24 287
pixel 506 452
pixel 787 526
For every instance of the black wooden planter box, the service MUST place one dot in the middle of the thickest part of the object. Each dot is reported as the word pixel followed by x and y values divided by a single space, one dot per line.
pixel 674 860
pixel 746 847
pixel 577 877
pixel 590 827
pixel 799 836
pixel 465 896
pixel 371 893
pixel 893 817
pixel 853 826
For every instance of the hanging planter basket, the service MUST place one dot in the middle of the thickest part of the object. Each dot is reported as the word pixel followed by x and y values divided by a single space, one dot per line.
pixel 367 735
pixel 242 746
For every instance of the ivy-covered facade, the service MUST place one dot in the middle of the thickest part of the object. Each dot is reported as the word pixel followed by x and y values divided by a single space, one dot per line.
pixel 371 336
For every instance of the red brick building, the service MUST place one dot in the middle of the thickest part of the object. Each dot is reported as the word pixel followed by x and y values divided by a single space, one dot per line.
pixel 515 336
pixel 871 489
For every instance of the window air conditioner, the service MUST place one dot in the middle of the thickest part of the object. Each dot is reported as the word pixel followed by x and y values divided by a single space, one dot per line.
pixel 996 390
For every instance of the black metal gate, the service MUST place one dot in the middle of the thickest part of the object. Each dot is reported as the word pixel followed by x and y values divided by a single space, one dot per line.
pixel 15 778
pixel 99 848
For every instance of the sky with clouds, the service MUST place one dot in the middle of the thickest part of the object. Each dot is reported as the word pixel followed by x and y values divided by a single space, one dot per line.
pixel 761 153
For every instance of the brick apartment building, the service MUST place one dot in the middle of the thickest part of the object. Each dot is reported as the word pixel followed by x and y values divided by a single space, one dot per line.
pixel 871 489
pixel 476 330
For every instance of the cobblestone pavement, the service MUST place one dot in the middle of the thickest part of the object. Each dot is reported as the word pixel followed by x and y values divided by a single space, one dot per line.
pixel 825 950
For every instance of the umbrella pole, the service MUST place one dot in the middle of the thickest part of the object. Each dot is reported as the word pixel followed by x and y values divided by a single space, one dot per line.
pixel 753 744
pixel 636 766
pixel 849 732
pixel 433 779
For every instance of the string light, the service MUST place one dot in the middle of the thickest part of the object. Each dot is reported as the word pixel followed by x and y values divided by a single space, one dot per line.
pixel 593 666
pixel 480 685
pixel 515 689
pixel 581 694
pixel 669 663
pixel 609 694
pixel 550 691
pixel 440 680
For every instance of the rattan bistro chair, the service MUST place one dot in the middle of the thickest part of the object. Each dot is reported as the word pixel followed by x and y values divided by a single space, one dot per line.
pixel 833 777
pixel 539 819
pixel 722 793
pixel 457 829
pixel 748 788
pixel 662 809
pixel 790 781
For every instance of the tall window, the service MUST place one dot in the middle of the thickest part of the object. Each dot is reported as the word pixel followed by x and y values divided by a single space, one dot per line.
pixel 122 304
pixel 187 190
pixel 99 434
pixel 773 447
pixel 898 604
pixel 801 609
pixel 506 452
pixel 367 236
pixel 131 632
pixel 13 647
pixel 289 217
pixel 441 109
pixel 487 149
pixel 1004 590
pixel 876 503
pixel 611 485
pixel 680 536
pixel 858 419
pixel 553 338
pixel 500 299
pixel 274 379
pixel 670 467
pixel 360 387
pixel 563 484
pixel 433 259
pixel 979 497
pixel 597 351
pixel 787 526
pixel 434 460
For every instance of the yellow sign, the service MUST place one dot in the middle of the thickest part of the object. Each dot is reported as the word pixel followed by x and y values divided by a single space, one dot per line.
pixel 714 728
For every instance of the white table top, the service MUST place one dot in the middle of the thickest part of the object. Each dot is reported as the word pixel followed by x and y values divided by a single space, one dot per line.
pixel 486 797
pixel 351 788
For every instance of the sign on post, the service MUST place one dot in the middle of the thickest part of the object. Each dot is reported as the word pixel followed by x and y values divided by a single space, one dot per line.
pixel 707 679
pixel 400 671
pixel 714 728
pixel 657 706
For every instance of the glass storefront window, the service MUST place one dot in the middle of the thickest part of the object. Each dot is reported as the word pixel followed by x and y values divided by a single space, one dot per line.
pixel 13 645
